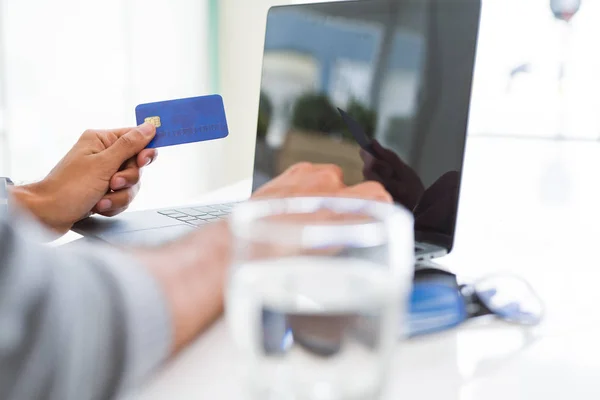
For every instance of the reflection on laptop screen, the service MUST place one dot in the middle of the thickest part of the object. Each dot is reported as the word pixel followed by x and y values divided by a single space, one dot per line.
pixel 382 89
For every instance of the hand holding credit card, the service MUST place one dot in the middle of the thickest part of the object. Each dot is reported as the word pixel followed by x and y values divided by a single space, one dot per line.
pixel 182 121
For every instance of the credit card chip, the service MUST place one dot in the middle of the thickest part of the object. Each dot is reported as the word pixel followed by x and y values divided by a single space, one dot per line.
pixel 153 120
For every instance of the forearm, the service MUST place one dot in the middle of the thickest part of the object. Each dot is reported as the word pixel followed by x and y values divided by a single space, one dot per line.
pixel 192 274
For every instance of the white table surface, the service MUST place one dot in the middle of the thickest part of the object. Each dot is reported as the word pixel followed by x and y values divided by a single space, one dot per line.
pixel 529 207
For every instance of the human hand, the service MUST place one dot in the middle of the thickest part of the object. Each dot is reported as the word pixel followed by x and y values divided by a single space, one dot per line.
pixel 400 180
pixel 100 174
pixel 316 335
pixel 306 179
pixel 193 279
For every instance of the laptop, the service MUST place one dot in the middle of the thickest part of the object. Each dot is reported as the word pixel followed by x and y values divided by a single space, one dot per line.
pixel 381 88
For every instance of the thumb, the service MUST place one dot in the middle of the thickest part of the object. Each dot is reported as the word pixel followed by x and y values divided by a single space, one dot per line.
pixel 130 144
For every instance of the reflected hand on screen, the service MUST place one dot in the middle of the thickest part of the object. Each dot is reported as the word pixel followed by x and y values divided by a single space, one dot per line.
pixel 436 210
pixel 400 180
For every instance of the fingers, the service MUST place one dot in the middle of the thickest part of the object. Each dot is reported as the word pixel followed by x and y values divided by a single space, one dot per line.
pixel 367 158
pixel 117 132
pixel 129 144
pixel 127 177
pixel 329 176
pixel 373 175
pixel 116 202
pixel 108 137
pixel 304 179
pixel 373 165
pixel 334 172
pixel 308 179
pixel 105 134
pixel 131 172
pixel 388 155
pixel 369 191
pixel 146 157
pixel 113 213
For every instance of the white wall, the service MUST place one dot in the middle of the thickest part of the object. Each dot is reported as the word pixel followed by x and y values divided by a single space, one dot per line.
pixel 242 31
pixel 71 65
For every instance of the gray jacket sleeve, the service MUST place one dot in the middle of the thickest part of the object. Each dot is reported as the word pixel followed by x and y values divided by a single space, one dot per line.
pixel 77 324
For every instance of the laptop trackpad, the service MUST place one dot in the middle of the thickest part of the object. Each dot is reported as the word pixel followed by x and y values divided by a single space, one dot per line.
pixel 147 237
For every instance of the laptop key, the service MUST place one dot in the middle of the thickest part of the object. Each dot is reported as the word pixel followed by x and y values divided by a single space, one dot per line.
pixel 192 212
pixel 198 222
pixel 168 212
pixel 187 218
pixel 205 209
pixel 178 215
pixel 218 213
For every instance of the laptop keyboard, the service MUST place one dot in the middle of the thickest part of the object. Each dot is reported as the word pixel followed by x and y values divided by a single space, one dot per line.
pixel 198 216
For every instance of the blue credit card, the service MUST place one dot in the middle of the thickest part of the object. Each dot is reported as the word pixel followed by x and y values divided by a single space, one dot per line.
pixel 181 121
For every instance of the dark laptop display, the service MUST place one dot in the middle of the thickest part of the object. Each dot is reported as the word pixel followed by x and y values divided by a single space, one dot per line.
pixel 381 88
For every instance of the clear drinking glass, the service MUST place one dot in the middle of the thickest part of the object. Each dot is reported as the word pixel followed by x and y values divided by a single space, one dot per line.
pixel 317 290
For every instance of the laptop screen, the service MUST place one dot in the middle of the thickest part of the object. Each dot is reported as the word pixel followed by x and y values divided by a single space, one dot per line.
pixel 379 87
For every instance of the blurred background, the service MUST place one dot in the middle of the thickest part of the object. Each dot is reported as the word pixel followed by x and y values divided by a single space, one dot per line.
pixel 68 65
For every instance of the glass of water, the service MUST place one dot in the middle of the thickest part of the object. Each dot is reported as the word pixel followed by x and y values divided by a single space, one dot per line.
pixel 316 293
